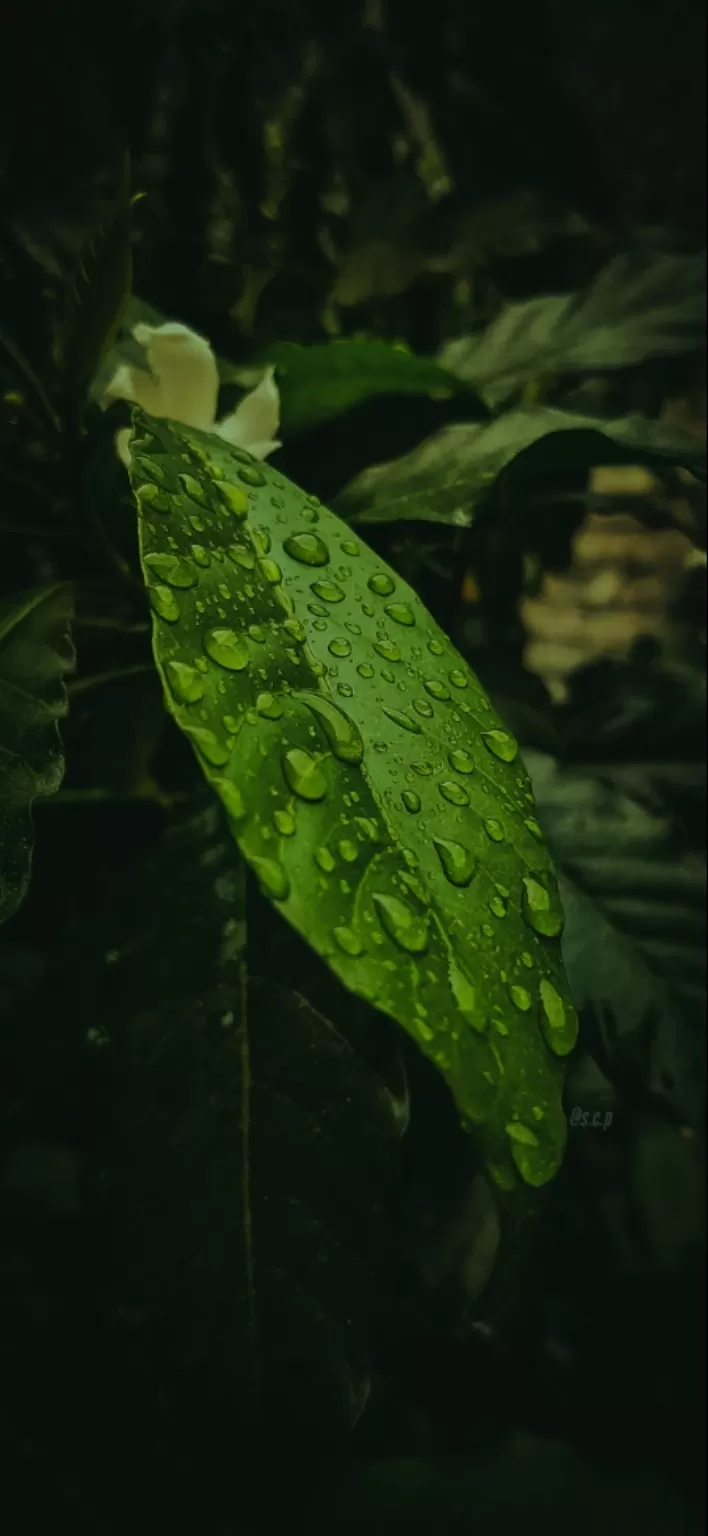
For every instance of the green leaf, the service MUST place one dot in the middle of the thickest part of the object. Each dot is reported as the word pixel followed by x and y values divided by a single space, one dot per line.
pixel 318 383
pixel 247 1168
pixel 98 294
pixel 641 306
pixel 370 784
pixel 447 477
pixel 35 653
pixel 633 889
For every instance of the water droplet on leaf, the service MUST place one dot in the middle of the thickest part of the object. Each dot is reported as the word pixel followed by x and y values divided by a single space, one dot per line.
pixel 501 745
pixel 307 548
pixel 227 648
pixel 303 775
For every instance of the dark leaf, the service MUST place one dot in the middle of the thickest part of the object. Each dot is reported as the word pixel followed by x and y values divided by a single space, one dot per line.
pixel 36 651
pixel 98 294
pixel 643 305
pixel 249 1155
pixel 448 476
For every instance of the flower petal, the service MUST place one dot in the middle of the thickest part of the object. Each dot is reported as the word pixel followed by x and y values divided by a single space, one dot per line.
pixel 122 441
pixel 184 368
pixel 255 421
pixel 133 384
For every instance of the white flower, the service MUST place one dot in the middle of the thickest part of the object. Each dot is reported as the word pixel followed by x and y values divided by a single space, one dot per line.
pixel 183 384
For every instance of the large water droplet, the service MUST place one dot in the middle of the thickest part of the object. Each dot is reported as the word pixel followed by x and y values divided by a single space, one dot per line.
pixel 406 928
pixel 340 647
pixel 231 798
pixel 207 742
pixel 461 760
pixel 558 1022
pixel 172 569
pixel 494 829
pixel 520 998
pixel 422 707
pixel 149 468
pixel 381 584
pixel 541 908
pixel 458 679
pixel 185 682
pixel 465 996
pixel 348 941
pixel 296 630
pixel 251 475
pixel 272 878
pixel 244 558
pixel 387 650
pixel 164 603
pixel 453 792
pixel 285 823
pixel 324 860
pixel 406 722
pixel 435 648
pixel 348 850
pixel 435 689
pixel 271 570
pixel 327 591
pixel 501 745
pixel 227 648
pixel 521 1134
pixel 342 734
pixel 303 774
pixel 269 706
pixel 410 800
pixel 192 487
pixel 498 906
pixel 307 548
pixel 365 670
pixel 199 554
pixel 401 613
pixel 457 861
pixel 348 547
pixel 235 500
pixel 152 499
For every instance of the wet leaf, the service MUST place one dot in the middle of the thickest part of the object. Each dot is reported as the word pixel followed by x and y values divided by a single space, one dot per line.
pixel 642 305
pixel 36 652
pixel 370 785
pixel 447 477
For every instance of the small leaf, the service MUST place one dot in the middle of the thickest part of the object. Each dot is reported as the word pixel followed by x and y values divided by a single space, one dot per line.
pixel 35 653
pixel 320 382
pixel 98 294
pixel 642 305
pixel 448 476
pixel 370 784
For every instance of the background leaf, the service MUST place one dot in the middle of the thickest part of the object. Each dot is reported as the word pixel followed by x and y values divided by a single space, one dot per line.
pixel 99 293
pixel 448 476
pixel 369 782
pixel 319 382
pixel 633 888
pixel 36 652
pixel 642 305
